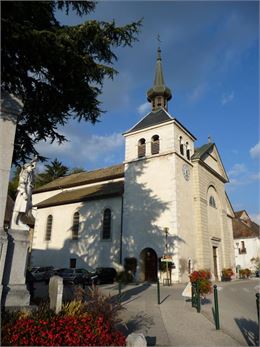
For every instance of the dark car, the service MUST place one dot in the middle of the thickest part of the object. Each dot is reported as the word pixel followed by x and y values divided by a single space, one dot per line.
pixel 42 273
pixel 104 275
pixel 72 275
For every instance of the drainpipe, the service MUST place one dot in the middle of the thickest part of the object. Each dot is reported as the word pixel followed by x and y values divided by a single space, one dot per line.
pixel 121 231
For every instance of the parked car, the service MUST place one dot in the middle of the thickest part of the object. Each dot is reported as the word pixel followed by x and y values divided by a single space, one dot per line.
pixel 72 275
pixel 42 273
pixel 101 275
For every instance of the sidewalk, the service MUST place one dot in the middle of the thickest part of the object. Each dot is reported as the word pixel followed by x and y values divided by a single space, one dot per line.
pixel 172 323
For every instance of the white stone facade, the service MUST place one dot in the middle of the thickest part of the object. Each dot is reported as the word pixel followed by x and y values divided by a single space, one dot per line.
pixel 173 203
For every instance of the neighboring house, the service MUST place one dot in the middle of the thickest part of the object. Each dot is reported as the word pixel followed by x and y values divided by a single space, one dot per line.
pixel 167 198
pixel 246 240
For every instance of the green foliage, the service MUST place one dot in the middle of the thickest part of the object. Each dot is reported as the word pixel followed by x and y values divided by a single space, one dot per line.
pixel 256 262
pixel 130 264
pixel 124 276
pixel 52 171
pixel 13 184
pixel 56 70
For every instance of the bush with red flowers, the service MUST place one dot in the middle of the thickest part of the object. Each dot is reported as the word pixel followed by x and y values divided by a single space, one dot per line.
pixel 80 323
pixel 62 331
pixel 202 278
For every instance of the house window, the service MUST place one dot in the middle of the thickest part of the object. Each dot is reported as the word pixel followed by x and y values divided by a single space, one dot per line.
pixel 212 202
pixel 106 232
pixel 155 144
pixel 159 101
pixel 48 228
pixel 187 151
pixel 141 148
pixel 242 250
pixel 75 226
pixel 181 146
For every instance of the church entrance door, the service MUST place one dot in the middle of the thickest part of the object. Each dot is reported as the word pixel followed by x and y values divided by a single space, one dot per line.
pixel 149 265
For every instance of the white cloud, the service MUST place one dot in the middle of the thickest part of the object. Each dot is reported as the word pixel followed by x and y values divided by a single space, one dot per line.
pixel 255 151
pixel 144 108
pixel 198 92
pixel 237 169
pixel 227 97
pixel 80 149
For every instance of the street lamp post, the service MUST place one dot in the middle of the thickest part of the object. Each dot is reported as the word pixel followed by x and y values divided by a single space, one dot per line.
pixel 166 230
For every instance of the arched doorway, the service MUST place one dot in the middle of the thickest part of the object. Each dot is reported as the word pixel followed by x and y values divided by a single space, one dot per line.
pixel 148 259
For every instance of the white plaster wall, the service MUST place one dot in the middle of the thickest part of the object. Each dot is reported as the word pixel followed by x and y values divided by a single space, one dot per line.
pixel 89 249
pixel 149 201
pixel 252 246
pixel 166 135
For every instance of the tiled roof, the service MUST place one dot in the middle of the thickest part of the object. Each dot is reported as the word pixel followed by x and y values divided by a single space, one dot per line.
pixel 112 172
pixel 99 191
pixel 244 229
pixel 153 118
pixel 199 152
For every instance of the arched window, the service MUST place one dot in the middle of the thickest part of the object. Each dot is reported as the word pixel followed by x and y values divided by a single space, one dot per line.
pixel 155 144
pixel 212 202
pixel 187 150
pixel 181 145
pixel 75 226
pixel 106 232
pixel 141 148
pixel 48 228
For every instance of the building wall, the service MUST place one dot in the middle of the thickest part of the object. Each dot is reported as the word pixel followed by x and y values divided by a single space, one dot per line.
pixel 213 227
pixel 89 249
pixel 252 246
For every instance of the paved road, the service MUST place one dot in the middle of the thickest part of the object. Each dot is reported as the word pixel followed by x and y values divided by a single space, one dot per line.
pixel 237 307
pixel 175 323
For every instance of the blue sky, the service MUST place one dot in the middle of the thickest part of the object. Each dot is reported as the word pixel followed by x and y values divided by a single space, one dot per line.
pixel 210 60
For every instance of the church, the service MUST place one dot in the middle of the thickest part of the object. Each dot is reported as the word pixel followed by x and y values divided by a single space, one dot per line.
pixel 167 200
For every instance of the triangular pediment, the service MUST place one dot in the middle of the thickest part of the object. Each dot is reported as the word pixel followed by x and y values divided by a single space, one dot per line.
pixel 209 155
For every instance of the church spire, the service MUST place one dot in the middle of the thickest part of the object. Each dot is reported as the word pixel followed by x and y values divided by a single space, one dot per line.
pixel 159 94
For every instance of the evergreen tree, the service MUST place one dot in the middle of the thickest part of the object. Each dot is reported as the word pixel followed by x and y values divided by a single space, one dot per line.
pixel 52 171
pixel 56 70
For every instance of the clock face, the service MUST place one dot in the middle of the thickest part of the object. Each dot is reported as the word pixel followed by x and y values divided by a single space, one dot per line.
pixel 186 172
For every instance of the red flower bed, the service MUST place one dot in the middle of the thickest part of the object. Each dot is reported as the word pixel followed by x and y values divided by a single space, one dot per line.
pixel 62 331
pixel 202 277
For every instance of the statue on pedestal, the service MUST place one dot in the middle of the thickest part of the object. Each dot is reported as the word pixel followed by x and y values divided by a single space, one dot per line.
pixel 23 201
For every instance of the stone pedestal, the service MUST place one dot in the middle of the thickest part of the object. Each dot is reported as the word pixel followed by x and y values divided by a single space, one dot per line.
pixel 11 107
pixel 15 292
pixel 3 251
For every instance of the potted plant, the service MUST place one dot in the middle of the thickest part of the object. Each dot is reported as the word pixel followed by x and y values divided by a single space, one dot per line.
pixel 244 273
pixel 202 280
pixel 227 274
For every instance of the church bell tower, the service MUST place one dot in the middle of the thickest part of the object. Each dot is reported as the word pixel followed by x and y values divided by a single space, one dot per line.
pixel 159 94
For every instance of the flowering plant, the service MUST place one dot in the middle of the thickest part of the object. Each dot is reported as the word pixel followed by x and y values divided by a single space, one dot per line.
pixel 227 274
pixel 244 273
pixel 79 323
pixel 202 279
pixel 84 330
